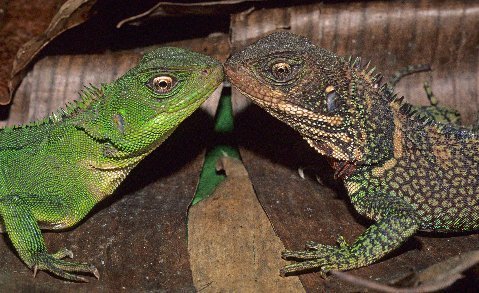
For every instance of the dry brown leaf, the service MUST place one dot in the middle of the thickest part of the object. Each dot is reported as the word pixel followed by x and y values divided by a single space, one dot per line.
pixel 70 14
pixel 231 243
pixel 20 20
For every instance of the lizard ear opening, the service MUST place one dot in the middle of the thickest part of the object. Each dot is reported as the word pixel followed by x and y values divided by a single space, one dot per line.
pixel 332 99
pixel 119 122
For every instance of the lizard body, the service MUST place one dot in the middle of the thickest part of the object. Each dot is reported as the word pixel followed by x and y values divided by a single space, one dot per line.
pixel 405 167
pixel 53 171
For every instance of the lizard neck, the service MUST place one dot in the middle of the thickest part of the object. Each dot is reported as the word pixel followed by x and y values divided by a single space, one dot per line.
pixel 378 126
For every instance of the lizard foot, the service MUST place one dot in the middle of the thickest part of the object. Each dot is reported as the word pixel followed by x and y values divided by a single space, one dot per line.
pixel 55 264
pixel 319 256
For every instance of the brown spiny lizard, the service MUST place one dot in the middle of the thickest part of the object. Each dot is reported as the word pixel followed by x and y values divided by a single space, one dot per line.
pixel 402 167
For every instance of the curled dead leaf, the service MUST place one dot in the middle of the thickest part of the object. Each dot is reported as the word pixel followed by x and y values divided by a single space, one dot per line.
pixel 20 20
pixel 70 14
pixel 163 8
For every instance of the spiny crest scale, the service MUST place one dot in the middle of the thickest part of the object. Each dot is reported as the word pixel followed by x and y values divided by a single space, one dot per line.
pixel 87 96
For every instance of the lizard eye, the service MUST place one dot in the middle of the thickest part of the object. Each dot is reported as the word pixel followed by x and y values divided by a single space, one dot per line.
pixel 162 84
pixel 281 71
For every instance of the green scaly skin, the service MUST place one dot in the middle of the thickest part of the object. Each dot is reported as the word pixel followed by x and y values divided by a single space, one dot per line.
pixel 55 170
pixel 403 166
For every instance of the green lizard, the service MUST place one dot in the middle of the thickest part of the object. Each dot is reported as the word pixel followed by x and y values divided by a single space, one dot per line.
pixel 401 168
pixel 56 169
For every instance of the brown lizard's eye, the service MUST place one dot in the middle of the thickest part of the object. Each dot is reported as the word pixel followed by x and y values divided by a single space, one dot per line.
pixel 281 71
pixel 162 84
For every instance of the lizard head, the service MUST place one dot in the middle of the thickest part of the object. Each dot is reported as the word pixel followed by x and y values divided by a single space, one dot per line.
pixel 140 109
pixel 307 87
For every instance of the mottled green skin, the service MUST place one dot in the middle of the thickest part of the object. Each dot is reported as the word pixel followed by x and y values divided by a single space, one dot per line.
pixel 405 167
pixel 55 170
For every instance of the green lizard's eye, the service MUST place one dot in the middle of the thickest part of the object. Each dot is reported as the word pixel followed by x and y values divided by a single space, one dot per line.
pixel 162 84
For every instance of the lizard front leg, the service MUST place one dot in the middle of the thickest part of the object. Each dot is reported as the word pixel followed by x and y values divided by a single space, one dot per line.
pixel 396 222
pixel 23 230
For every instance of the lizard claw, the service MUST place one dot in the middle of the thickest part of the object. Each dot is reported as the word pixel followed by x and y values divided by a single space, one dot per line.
pixel 35 270
pixel 303 176
pixel 319 256
pixel 54 264
pixel 96 273
pixel 311 245
pixel 302 266
pixel 301 172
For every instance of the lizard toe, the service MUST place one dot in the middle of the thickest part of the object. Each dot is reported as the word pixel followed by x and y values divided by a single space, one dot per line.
pixel 313 250
pixel 303 266
pixel 319 256
pixel 61 268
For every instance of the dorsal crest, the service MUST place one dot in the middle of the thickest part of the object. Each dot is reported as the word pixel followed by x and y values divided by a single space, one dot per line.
pixel 88 95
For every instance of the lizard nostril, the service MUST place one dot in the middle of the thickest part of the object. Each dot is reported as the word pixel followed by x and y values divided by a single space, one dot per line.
pixel 204 72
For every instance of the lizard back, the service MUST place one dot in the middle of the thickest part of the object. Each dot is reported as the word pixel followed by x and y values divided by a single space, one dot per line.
pixel 434 167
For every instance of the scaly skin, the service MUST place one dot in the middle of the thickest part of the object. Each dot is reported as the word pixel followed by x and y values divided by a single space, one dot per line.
pixel 55 170
pixel 403 166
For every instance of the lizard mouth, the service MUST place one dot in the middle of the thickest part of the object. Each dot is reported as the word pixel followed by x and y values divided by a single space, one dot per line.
pixel 214 77
pixel 275 101
pixel 240 77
